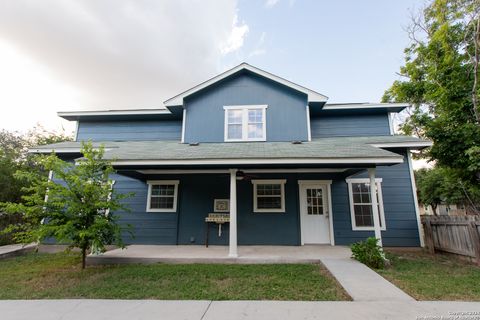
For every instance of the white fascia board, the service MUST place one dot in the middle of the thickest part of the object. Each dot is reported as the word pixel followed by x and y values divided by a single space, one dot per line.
pixel 112 112
pixel 419 144
pixel 60 150
pixel 364 106
pixel 216 171
pixel 391 160
pixel 312 95
pixel 56 150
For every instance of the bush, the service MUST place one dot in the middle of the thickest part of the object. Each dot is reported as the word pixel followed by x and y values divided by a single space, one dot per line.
pixel 369 253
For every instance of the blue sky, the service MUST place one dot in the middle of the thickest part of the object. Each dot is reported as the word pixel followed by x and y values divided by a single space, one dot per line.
pixel 110 54
pixel 347 50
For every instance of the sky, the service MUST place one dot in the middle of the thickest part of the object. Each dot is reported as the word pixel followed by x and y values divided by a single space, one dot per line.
pixel 63 55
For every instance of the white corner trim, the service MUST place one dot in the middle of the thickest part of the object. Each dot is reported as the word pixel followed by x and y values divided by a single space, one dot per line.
pixel 309 129
pixel 390 124
pixel 75 135
pixel 245 109
pixel 380 203
pixel 184 119
pixel 281 182
pixel 150 183
pixel 312 96
pixel 415 200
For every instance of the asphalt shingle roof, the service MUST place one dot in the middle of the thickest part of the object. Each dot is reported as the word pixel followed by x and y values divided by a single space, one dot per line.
pixel 330 148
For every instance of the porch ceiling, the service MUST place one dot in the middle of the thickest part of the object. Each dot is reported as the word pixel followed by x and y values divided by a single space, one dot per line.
pixel 325 152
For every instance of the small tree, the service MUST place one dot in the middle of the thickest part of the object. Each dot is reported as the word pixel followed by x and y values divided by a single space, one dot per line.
pixel 76 208
pixel 439 185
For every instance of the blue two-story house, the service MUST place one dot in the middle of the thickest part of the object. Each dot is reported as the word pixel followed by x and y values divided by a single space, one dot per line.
pixel 279 162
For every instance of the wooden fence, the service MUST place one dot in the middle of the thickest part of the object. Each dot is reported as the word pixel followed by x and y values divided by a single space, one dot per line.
pixel 454 234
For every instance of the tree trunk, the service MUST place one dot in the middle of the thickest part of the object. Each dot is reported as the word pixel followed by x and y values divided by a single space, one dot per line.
pixel 84 257
pixel 434 209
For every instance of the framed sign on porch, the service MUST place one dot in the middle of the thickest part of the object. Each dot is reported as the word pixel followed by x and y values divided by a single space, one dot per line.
pixel 221 205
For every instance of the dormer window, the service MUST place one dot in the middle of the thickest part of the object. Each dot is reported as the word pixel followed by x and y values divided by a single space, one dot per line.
pixel 245 123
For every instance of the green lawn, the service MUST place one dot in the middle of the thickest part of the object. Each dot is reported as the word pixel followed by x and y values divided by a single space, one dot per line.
pixel 438 277
pixel 58 276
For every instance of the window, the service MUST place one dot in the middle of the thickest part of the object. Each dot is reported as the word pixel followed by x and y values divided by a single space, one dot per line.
pixel 245 123
pixel 269 195
pixel 162 196
pixel 361 204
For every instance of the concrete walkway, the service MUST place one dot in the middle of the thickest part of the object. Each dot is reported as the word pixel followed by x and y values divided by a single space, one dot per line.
pixel 225 310
pixel 15 250
pixel 362 283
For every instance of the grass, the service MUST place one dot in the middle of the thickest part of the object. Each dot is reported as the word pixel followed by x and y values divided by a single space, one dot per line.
pixel 433 277
pixel 58 276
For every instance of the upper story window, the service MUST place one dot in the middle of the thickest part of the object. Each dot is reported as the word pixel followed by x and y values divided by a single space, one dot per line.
pixel 245 123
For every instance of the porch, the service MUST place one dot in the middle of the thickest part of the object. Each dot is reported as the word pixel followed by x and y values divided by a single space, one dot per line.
pixel 219 254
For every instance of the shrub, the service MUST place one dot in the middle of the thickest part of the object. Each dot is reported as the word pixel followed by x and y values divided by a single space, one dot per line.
pixel 369 253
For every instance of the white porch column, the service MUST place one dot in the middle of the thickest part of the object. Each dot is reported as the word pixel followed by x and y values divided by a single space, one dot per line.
pixel 373 196
pixel 232 244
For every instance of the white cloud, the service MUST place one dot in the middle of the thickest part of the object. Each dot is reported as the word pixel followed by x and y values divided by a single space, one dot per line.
pixel 236 38
pixel 271 3
pixel 71 54
pixel 259 48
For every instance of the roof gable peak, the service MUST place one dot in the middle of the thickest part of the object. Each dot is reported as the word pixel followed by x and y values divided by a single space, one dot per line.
pixel 312 96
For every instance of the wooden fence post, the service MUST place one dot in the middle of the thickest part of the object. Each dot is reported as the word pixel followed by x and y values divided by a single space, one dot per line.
pixel 429 236
pixel 475 238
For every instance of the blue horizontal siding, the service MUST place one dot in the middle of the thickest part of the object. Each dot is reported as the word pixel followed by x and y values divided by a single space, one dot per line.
pixel 286 118
pixel 147 227
pixel 350 125
pixel 399 208
pixel 198 191
pixel 129 130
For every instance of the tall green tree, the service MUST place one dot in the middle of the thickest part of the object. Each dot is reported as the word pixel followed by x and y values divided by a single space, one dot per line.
pixel 14 156
pixel 74 208
pixel 440 79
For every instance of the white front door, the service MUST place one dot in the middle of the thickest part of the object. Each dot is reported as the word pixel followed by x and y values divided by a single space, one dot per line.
pixel 314 215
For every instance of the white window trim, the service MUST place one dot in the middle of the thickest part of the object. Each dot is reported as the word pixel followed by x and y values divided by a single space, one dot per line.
pixel 244 109
pixel 380 203
pixel 281 182
pixel 162 182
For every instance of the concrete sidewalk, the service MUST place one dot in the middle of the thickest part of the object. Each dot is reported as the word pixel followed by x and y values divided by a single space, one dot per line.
pixel 225 310
pixel 12 250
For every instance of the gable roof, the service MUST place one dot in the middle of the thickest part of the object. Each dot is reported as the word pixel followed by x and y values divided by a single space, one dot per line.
pixel 312 96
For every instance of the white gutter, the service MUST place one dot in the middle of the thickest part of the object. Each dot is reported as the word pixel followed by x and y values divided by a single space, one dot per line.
pixel 255 161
